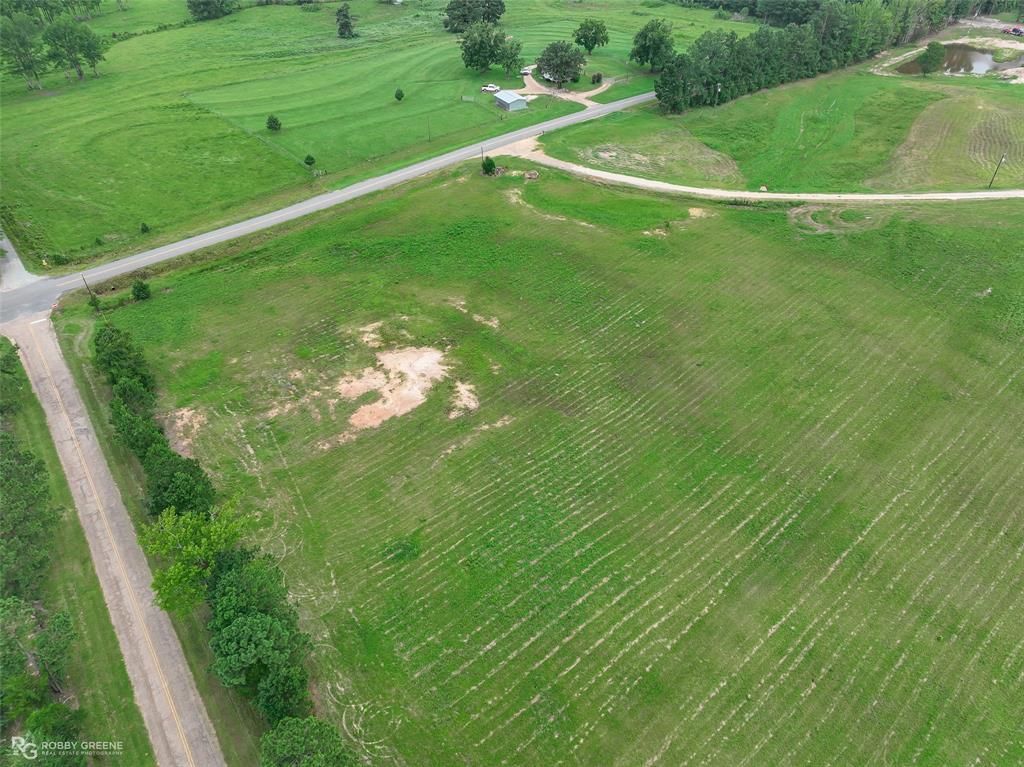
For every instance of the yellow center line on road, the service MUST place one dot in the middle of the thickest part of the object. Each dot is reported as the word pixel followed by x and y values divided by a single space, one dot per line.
pixel 117 554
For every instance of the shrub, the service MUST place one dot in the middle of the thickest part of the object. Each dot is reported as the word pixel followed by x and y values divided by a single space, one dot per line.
pixel 310 161
pixel 273 124
pixel 174 481
pixel 203 10
pixel 399 94
pixel 140 290
pixel 309 741
pixel 144 228
pixel 118 357
pixel 488 166
pixel 596 78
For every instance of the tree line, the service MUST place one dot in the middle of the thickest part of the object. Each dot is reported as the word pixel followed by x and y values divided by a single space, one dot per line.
pixel 911 18
pixel 37 35
pixel 721 66
pixel 36 641
pixel 258 647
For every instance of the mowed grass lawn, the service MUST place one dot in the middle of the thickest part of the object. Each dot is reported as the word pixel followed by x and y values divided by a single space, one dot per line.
pixel 844 132
pixel 97 679
pixel 736 492
pixel 173 132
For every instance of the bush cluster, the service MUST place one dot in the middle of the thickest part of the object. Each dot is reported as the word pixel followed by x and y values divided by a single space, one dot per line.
pixel 172 480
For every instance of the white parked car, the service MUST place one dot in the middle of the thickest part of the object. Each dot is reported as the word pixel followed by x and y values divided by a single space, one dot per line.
pixel 525 70
pixel 490 88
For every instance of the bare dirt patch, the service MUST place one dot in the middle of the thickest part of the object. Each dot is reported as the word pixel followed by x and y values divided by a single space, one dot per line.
pixel 464 399
pixel 403 377
pixel 182 426
pixel 370 334
pixel 491 322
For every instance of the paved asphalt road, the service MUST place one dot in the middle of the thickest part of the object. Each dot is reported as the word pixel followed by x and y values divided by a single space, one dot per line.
pixel 162 683
pixel 40 295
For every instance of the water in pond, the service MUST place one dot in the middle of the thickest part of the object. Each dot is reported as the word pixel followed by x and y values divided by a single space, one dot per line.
pixel 963 59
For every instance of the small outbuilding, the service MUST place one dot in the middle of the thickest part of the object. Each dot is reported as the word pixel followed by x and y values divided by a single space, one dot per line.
pixel 510 101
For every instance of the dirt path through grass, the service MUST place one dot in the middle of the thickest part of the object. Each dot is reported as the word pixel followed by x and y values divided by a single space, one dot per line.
pixel 528 149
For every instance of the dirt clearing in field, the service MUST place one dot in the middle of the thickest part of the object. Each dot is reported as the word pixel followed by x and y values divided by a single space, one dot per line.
pixel 403 377
pixel 465 399
pixel 182 426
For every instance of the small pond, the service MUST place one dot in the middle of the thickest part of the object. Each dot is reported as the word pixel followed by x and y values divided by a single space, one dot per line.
pixel 963 59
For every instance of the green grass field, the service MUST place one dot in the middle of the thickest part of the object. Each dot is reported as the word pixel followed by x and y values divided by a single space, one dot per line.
pixel 97 677
pixel 742 486
pixel 845 132
pixel 173 133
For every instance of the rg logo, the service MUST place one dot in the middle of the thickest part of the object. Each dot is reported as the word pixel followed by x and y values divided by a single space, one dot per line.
pixel 26 748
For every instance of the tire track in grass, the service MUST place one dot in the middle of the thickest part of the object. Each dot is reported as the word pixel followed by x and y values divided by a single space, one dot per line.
pixel 863 579
pixel 906 564
pixel 669 644
pixel 522 711
pixel 827 574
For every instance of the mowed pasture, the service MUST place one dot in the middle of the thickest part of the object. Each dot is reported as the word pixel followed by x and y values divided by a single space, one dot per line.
pixel 742 486
pixel 172 134
pixel 850 131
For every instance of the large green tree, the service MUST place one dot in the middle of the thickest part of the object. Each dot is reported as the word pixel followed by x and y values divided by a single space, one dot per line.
pixel 653 44
pixel 305 742
pixel 67 41
pixel 175 482
pixel 510 55
pixel 204 10
pixel 560 62
pixel 190 544
pixel 676 84
pixel 21 47
pixel 481 45
pixel 256 641
pixel 460 14
pixel 590 34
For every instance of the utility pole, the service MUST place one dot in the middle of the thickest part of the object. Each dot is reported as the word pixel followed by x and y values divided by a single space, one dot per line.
pixel 1000 165
pixel 87 286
